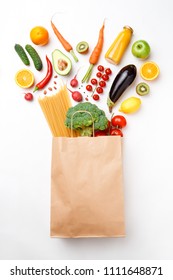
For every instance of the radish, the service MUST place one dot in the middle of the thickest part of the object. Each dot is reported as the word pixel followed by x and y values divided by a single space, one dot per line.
pixel 76 95
pixel 74 82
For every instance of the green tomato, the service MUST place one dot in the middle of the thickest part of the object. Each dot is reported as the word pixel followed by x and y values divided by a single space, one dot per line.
pixel 141 49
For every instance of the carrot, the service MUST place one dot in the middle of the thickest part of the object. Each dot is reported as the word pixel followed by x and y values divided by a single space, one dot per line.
pixel 64 43
pixel 94 57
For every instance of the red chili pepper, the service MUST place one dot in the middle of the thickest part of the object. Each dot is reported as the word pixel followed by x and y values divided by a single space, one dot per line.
pixel 47 78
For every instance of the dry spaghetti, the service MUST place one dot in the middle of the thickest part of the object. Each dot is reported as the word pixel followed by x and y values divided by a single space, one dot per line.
pixel 55 108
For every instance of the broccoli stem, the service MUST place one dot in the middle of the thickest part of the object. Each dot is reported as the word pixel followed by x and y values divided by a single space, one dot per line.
pixel 87 131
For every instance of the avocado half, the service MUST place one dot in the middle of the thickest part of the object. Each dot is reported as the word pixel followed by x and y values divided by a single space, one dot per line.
pixel 61 63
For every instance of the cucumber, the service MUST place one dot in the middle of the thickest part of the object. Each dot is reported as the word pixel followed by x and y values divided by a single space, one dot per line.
pixel 22 54
pixel 35 57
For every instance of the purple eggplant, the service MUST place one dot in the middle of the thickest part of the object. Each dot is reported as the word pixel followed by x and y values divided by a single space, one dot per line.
pixel 121 82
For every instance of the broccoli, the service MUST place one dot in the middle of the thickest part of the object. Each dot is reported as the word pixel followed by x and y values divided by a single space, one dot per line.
pixel 83 122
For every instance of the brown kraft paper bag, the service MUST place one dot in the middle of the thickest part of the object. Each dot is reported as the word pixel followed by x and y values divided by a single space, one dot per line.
pixel 86 187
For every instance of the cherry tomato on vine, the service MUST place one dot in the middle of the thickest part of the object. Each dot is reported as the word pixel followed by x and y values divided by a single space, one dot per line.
pixel 100 68
pixel 89 87
pixel 116 132
pixel 102 83
pixel 119 121
pixel 108 71
pixel 99 90
pixel 94 81
pixel 105 77
pixel 96 97
pixel 99 74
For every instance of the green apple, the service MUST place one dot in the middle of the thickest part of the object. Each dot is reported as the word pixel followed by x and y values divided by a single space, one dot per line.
pixel 141 49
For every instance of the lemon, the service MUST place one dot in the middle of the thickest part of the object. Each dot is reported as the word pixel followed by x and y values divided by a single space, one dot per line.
pixel 130 105
pixel 24 78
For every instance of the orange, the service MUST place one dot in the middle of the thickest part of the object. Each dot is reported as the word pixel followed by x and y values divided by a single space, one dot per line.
pixel 24 78
pixel 149 70
pixel 39 35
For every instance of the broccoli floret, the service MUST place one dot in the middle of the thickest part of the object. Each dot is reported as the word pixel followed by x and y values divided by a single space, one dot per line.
pixel 83 122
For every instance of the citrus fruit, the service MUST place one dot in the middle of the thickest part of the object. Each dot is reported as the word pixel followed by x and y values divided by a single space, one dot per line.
pixel 130 105
pixel 24 78
pixel 39 35
pixel 149 70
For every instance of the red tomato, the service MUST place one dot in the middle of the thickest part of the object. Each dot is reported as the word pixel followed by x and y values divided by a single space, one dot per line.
pixel 93 81
pixel 105 77
pixel 116 132
pixel 102 83
pixel 99 90
pixel 99 74
pixel 100 133
pixel 108 71
pixel 96 97
pixel 119 121
pixel 89 87
pixel 100 68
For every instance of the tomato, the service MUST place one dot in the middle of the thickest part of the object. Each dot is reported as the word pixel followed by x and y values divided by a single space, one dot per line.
pixel 89 87
pixel 108 71
pixel 94 81
pixel 100 133
pixel 96 97
pixel 99 90
pixel 28 96
pixel 99 74
pixel 119 121
pixel 100 68
pixel 105 77
pixel 116 132
pixel 102 83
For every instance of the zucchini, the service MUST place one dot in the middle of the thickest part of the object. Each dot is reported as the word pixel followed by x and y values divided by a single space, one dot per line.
pixel 22 54
pixel 35 57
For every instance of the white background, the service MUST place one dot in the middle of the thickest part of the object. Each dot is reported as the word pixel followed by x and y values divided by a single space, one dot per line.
pixel 25 141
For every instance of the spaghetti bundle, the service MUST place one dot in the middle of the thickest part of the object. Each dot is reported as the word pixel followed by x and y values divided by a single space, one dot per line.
pixel 55 108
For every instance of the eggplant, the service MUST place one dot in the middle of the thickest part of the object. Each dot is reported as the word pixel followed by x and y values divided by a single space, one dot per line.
pixel 121 82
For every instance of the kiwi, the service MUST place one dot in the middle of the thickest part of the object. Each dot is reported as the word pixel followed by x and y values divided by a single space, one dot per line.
pixel 142 89
pixel 82 47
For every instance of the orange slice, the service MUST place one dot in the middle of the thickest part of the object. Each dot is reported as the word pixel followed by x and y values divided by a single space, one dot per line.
pixel 149 71
pixel 24 78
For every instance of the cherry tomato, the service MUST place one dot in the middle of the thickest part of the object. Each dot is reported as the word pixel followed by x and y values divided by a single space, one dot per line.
pixel 99 90
pixel 108 71
pixel 96 97
pixel 89 87
pixel 99 74
pixel 28 96
pixel 102 83
pixel 119 121
pixel 94 81
pixel 100 68
pixel 105 77
pixel 116 132
pixel 100 133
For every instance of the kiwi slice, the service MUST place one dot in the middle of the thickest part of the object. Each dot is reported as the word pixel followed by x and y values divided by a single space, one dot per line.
pixel 82 47
pixel 142 89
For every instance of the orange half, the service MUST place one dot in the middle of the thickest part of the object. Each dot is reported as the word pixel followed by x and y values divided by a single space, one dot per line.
pixel 149 71
pixel 24 78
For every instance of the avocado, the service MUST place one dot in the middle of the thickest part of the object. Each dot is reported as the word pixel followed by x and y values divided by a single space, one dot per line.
pixel 61 63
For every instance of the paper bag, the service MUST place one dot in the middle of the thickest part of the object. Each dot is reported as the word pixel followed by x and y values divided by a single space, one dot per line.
pixel 86 187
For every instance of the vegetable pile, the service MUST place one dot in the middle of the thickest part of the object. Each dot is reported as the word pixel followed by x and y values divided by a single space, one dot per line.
pixel 108 84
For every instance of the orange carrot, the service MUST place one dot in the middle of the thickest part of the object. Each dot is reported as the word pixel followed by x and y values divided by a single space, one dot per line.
pixel 94 57
pixel 64 43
